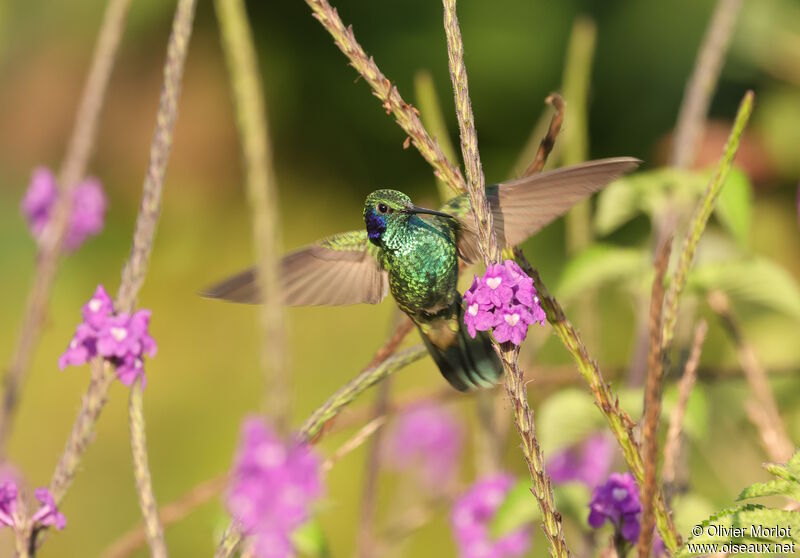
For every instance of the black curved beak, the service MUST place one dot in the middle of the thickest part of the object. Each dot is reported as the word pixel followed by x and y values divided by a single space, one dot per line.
pixel 424 211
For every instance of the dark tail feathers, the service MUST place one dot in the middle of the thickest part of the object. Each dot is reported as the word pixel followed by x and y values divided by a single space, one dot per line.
pixel 468 363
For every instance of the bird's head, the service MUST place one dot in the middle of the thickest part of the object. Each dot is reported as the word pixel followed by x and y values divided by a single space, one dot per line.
pixel 385 207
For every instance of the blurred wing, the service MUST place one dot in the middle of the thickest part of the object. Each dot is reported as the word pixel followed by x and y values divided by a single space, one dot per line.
pixel 521 207
pixel 338 270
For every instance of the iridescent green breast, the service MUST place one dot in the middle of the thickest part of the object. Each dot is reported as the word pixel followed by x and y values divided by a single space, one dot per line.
pixel 421 258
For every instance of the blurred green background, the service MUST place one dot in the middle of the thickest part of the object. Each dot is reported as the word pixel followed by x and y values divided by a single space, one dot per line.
pixel 333 144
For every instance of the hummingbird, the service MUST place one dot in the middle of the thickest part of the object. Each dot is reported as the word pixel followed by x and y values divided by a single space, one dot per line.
pixel 414 253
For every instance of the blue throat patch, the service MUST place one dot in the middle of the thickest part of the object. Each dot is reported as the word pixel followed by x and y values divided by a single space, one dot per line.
pixel 376 226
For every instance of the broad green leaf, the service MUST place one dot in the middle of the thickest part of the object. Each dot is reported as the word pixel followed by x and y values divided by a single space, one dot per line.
pixel 781 472
pixel 309 540
pixel 648 192
pixel 776 487
pixel 519 508
pixel 752 279
pixel 601 264
pixel 734 206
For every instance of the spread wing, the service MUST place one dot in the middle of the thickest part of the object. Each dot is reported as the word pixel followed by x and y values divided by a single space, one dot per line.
pixel 341 269
pixel 521 207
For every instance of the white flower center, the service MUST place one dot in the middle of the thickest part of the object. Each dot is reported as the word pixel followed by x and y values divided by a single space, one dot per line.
pixel 494 282
pixel 511 319
pixel 73 344
pixel 619 494
pixel 473 309
pixel 95 304
pixel 119 333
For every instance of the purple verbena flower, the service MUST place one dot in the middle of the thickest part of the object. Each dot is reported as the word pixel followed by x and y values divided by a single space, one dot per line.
pixel 123 339
pixel 48 513
pixel 39 198
pixel 588 462
pixel 87 211
pixel 98 309
pixel 428 440
pixel 503 299
pixel 273 485
pixel 8 503
pixel 478 316
pixel 617 501
pixel 472 514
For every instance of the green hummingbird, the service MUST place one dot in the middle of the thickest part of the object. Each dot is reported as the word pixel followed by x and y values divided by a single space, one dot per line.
pixel 414 253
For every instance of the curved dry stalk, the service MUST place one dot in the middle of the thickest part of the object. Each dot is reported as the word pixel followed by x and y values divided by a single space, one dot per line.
pixel 237 42
pixel 652 401
pixel 549 140
pixel 72 171
pixel 673 443
pixel 762 409
pixel 141 472
pixel 703 82
pixel 135 269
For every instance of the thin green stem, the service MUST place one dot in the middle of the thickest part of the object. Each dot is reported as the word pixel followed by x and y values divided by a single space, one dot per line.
pixel 237 40
pixel 700 219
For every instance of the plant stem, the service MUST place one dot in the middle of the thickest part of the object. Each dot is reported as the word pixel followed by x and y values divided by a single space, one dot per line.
pixel 135 269
pixel 549 140
pixel 72 171
pixel 248 95
pixel 673 443
pixel 700 218
pixel 652 401
pixel 762 409
pixel 141 472
pixel 619 421
pixel 703 82
pixel 508 353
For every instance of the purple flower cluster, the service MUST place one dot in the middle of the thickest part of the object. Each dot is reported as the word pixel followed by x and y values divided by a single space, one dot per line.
pixel 472 514
pixel 427 439
pixel 123 339
pixel 273 484
pixel 504 300
pixel 617 501
pixel 87 212
pixel 47 514
pixel 588 462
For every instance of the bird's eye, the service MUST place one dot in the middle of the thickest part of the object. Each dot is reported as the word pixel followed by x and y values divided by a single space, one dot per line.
pixel 383 208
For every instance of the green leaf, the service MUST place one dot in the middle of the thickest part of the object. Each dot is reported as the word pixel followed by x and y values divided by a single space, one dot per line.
pixel 752 279
pixel 601 264
pixel 776 487
pixel 519 508
pixel 646 192
pixel 794 464
pixel 734 206
pixel 567 417
pixel 309 539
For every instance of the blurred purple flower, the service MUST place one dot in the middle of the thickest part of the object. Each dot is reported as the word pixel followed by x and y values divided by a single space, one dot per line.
pixel 8 503
pixel 504 299
pixel 427 439
pixel 472 514
pixel 617 501
pixel 122 339
pixel 48 513
pixel 273 485
pixel 87 212
pixel 588 462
